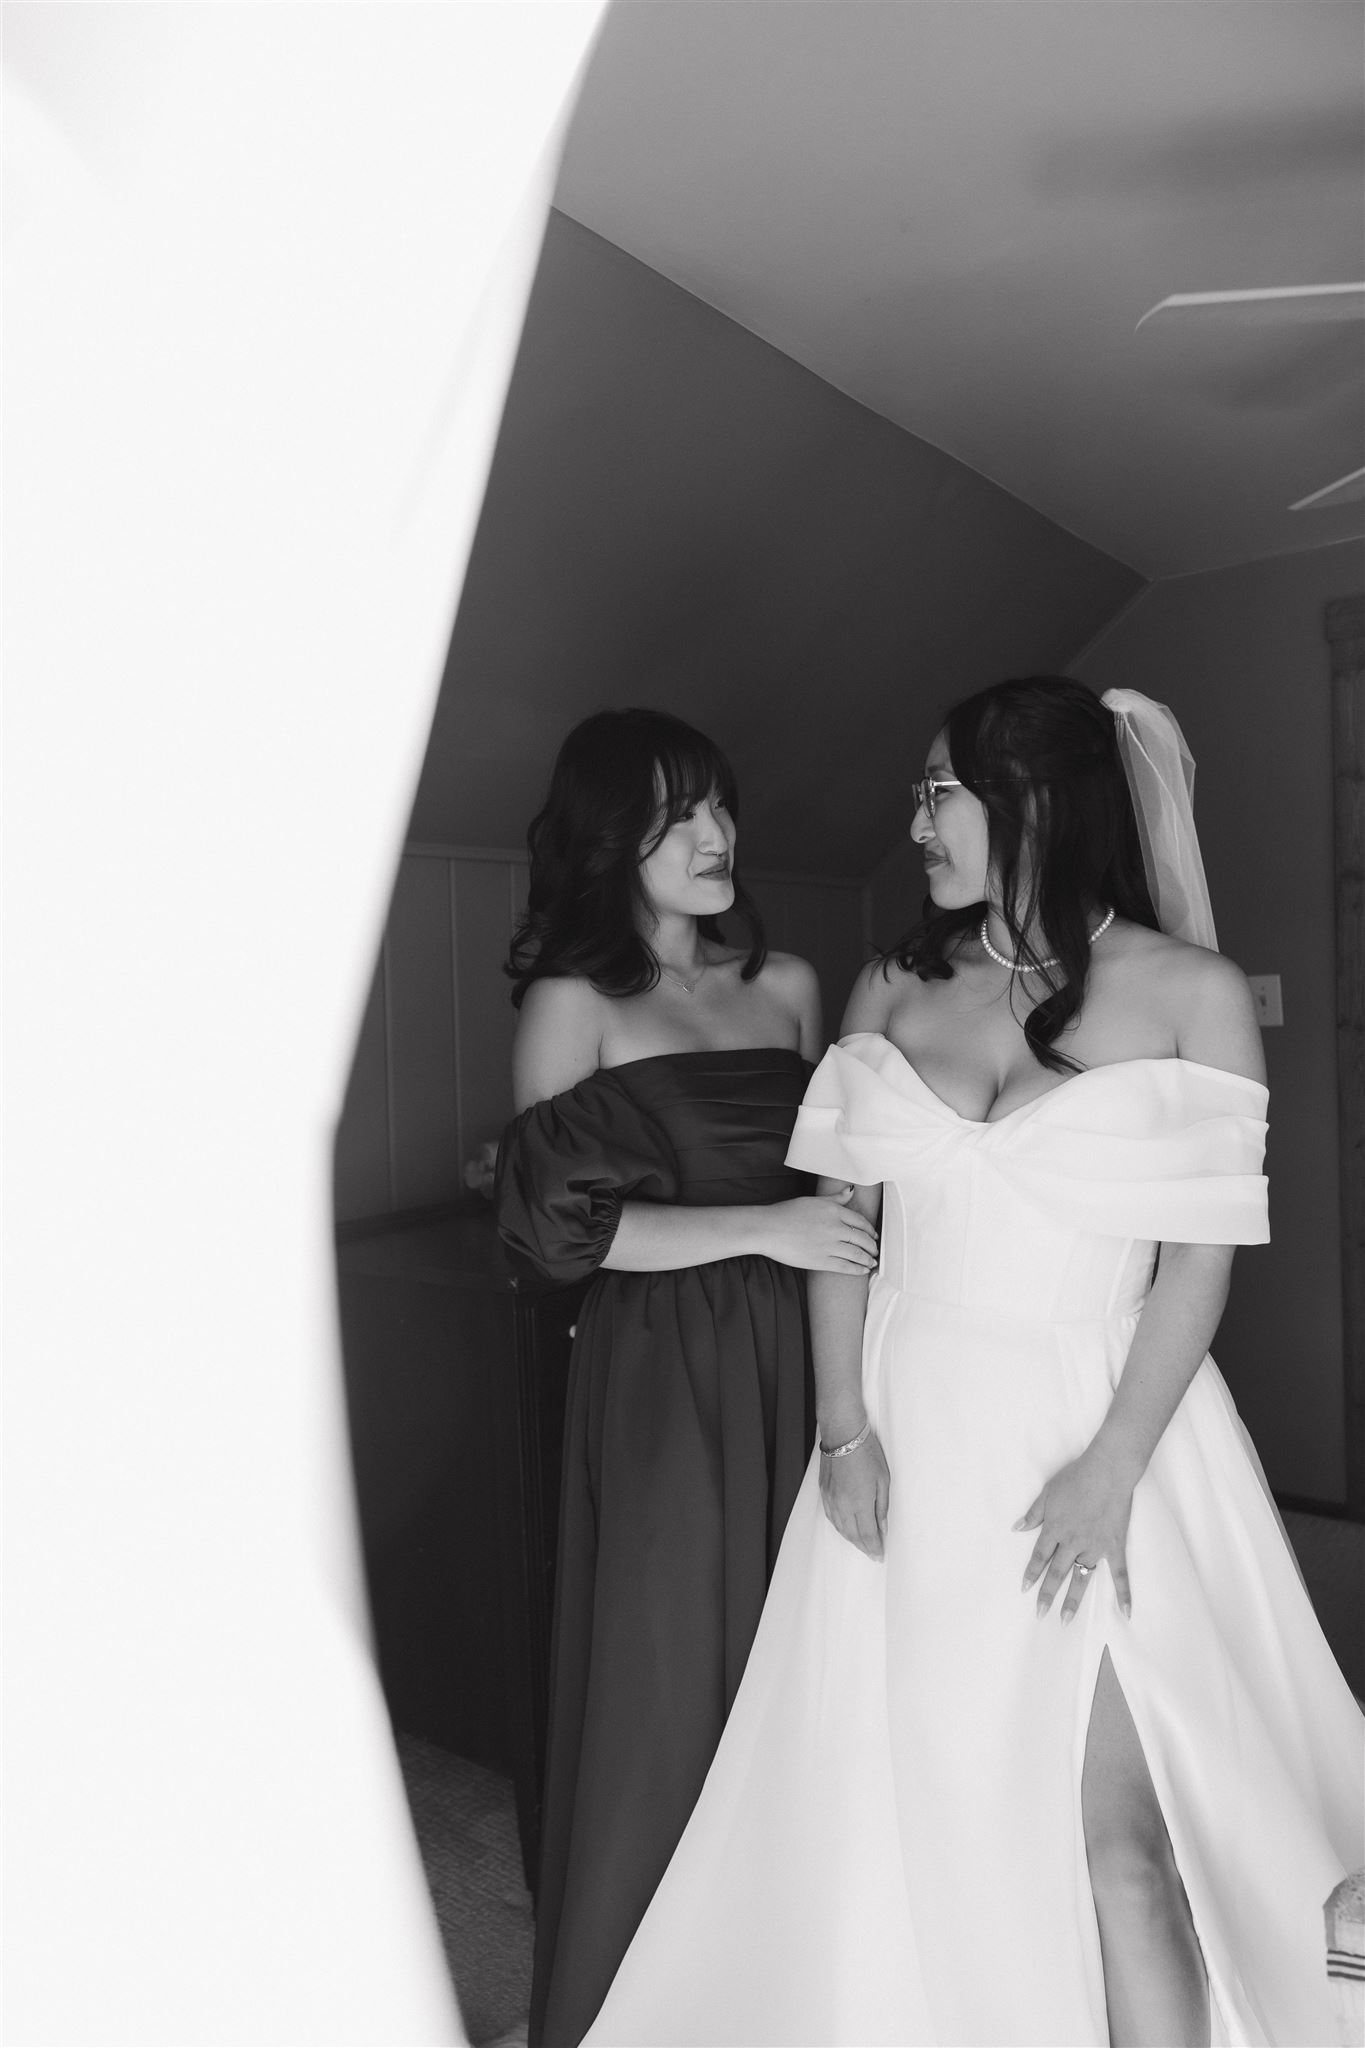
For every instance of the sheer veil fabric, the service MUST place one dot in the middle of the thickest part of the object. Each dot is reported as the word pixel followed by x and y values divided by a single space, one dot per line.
pixel 1160 772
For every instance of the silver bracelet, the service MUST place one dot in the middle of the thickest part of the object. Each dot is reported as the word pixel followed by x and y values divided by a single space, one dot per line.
pixel 842 1450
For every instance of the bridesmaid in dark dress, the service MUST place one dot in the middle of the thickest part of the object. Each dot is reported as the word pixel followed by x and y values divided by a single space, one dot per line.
pixel 657 1074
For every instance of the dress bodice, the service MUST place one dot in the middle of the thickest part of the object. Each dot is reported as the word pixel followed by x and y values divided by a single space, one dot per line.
pixel 702 1129
pixel 726 1117
pixel 1052 1210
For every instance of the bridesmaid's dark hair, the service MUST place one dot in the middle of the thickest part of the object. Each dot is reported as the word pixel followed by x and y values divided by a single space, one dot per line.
pixel 621 781
pixel 1041 754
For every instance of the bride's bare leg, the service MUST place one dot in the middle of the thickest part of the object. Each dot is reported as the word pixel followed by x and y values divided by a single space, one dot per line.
pixel 1154 1979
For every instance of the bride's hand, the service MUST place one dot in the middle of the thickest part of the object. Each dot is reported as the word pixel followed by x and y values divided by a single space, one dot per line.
pixel 855 1491
pixel 1081 1516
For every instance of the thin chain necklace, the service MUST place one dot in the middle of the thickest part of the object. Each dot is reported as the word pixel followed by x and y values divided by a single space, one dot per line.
pixel 1031 966
pixel 689 988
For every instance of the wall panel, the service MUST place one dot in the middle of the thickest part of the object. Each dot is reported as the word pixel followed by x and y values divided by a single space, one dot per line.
pixel 519 881
pixel 420 962
pixel 483 999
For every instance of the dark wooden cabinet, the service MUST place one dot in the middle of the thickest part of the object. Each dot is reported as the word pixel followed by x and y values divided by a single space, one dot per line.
pixel 456 1371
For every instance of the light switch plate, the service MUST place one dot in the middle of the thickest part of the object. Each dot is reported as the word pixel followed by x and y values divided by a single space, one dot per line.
pixel 1265 989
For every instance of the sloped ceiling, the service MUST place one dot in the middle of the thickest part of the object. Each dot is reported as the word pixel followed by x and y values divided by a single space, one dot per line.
pixel 822 269
pixel 680 515
pixel 956 211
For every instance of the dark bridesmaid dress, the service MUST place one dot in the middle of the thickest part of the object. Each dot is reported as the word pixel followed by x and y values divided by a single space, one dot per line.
pixel 690 1422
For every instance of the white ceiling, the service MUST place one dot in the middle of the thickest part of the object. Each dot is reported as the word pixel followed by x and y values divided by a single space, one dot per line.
pixel 955 211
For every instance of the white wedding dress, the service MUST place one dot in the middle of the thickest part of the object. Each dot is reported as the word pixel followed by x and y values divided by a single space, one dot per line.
pixel 888 1847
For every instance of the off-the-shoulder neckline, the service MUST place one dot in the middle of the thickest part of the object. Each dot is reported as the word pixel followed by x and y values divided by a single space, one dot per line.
pixel 1086 1074
pixel 709 1052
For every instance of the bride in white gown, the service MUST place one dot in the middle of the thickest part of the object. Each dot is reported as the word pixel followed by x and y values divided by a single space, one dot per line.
pixel 1108 1807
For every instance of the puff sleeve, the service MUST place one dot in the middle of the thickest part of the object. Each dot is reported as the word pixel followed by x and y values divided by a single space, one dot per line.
pixel 567 1164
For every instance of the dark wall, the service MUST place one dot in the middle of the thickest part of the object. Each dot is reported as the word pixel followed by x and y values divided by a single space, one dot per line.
pixel 680 515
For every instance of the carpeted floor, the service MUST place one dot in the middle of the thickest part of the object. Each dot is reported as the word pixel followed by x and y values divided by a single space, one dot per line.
pixel 466 1822
pixel 465 1819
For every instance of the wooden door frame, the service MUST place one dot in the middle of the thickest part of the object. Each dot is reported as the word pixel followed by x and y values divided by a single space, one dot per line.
pixel 1344 624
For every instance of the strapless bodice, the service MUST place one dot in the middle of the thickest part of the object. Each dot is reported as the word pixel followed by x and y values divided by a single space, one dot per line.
pixel 725 1118
pixel 1053 1210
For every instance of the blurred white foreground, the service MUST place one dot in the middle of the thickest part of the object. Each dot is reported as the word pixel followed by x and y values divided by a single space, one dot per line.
pixel 265 272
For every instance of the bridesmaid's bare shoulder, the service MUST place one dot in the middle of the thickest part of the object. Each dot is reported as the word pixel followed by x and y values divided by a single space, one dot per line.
pixel 558 1039
pixel 794 986
pixel 788 976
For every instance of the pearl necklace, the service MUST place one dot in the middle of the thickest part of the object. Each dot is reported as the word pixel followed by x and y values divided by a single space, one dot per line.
pixel 1033 966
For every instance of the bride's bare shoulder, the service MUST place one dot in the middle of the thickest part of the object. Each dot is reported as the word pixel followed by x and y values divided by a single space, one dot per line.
pixel 880 990
pixel 1202 997
pixel 1175 963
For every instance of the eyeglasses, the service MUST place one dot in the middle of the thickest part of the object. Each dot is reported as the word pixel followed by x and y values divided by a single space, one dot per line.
pixel 926 793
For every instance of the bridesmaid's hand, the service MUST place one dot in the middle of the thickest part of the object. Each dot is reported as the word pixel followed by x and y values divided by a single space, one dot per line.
pixel 855 1491
pixel 821 1233
pixel 1081 1516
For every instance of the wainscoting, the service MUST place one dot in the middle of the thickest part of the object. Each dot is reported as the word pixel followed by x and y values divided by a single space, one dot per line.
pixel 432 1074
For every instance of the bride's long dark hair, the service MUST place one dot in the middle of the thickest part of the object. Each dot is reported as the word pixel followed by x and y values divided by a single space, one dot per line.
pixel 621 780
pixel 1042 755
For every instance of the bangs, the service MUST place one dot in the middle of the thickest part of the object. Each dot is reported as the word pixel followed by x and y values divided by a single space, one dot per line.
pixel 690 770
